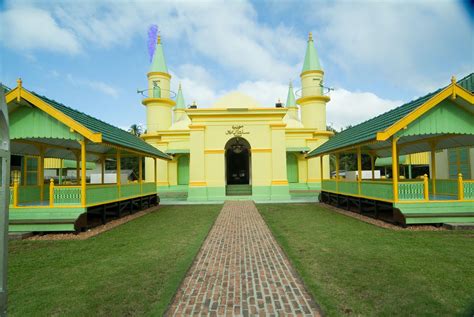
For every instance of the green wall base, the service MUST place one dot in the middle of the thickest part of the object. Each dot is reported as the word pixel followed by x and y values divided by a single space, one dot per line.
pixel 261 193
pixel 437 212
pixel 43 219
pixel 314 186
pixel 280 192
pixel 216 193
pixel 197 194
pixel 298 186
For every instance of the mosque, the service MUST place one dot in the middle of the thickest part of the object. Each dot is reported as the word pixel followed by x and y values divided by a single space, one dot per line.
pixel 237 146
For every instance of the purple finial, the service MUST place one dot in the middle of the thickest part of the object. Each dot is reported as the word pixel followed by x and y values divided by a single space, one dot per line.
pixel 152 34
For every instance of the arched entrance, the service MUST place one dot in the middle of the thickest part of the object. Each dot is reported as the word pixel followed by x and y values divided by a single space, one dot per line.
pixel 237 167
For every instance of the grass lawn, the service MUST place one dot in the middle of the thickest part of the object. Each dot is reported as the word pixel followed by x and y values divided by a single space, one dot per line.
pixel 352 267
pixel 134 269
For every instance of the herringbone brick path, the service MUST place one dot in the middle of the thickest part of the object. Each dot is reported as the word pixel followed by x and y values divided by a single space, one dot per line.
pixel 241 271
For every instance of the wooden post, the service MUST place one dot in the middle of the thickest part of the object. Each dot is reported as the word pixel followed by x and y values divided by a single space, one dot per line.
pixel 372 165
pixel 433 169
pixel 51 192
pixel 41 172
pixel 140 172
pixel 60 176
pixel 78 168
pixel 15 193
pixel 395 168
pixel 119 180
pixel 25 170
pixel 156 172
pixel 426 191
pixel 460 187
pixel 83 173
pixel 102 163
pixel 337 172
pixel 359 169
pixel 321 165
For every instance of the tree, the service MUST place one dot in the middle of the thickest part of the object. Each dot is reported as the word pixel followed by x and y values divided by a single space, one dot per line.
pixel 136 129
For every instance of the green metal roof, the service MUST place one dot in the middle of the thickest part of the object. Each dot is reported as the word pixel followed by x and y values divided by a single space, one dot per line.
pixel 158 63
pixel 110 133
pixel 290 100
pixel 311 59
pixel 367 130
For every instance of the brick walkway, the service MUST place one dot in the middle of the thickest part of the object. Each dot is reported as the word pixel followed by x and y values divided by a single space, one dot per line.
pixel 241 271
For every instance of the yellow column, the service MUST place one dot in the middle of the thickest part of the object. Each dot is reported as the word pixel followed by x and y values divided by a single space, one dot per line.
pixel 197 168
pixel 83 173
pixel 119 171
pixel 15 193
pixel 51 192
pixel 359 168
pixel 140 172
pixel 433 168
pixel 102 169
pixel 395 168
pixel 460 187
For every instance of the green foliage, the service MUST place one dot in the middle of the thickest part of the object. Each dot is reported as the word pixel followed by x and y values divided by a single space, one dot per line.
pixel 133 270
pixel 354 268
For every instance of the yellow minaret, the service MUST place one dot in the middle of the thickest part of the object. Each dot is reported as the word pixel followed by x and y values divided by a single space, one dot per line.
pixel 158 103
pixel 312 101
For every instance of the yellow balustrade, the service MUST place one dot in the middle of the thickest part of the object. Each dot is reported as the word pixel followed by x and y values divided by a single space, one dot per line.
pixel 426 190
pixel 460 187
pixel 51 192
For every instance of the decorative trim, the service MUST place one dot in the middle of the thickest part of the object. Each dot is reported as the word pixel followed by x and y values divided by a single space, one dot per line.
pixel 308 72
pixel 198 183
pixel 313 180
pixel 214 151
pixel 197 126
pixel 277 125
pixel 165 101
pixel 158 74
pixel 261 150
pixel 279 182
pixel 303 101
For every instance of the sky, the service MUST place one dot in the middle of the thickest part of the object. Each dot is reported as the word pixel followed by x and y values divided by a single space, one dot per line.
pixel 376 55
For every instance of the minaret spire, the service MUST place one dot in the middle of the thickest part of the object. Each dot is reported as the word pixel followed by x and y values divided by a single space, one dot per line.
pixel 311 59
pixel 158 63
pixel 290 100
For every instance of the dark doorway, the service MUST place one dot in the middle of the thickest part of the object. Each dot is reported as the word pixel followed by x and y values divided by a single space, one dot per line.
pixel 237 158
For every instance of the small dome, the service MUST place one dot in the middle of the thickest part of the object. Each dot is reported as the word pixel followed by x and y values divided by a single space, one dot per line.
pixel 236 99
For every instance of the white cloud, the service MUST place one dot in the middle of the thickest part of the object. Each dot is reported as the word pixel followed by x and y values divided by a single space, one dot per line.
pixel 229 33
pixel 95 85
pixel 29 28
pixel 405 43
pixel 349 108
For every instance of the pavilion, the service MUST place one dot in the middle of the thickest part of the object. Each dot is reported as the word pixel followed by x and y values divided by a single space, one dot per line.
pixel 42 128
pixel 441 123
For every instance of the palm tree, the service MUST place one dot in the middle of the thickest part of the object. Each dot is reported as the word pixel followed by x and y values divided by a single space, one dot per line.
pixel 136 129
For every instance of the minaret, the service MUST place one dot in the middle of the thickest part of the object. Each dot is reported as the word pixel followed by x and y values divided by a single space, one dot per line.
pixel 158 102
pixel 291 117
pixel 312 101
pixel 181 119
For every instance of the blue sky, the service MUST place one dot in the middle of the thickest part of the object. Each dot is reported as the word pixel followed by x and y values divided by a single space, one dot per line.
pixel 92 55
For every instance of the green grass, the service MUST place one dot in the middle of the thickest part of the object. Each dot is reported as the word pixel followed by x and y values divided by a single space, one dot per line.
pixel 354 268
pixel 134 269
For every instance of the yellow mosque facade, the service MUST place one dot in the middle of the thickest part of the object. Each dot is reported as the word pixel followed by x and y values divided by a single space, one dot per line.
pixel 236 146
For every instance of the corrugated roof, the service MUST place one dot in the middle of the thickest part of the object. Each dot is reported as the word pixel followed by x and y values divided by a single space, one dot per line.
pixel 110 133
pixel 367 130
